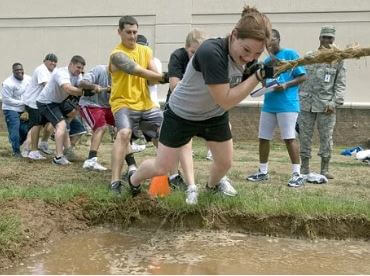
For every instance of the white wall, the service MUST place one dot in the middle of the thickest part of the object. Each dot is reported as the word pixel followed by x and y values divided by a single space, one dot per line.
pixel 31 29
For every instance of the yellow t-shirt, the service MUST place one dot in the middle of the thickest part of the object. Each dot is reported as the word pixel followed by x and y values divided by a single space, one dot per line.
pixel 130 91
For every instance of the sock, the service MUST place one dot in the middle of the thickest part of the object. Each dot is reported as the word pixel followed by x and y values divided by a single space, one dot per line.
pixel 92 154
pixel 132 168
pixel 130 160
pixel 296 168
pixel 264 168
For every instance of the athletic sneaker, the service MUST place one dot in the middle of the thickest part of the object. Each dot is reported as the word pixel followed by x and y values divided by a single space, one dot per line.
pixel 44 147
pixel 116 186
pixel 135 190
pixel 178 183
pixel 137 148
pixel 25 152
pixel 192 195
pixel 296 181
pixel 258 176
pixel 209 156
pixel 70 154
pixel 61 161
pixel 93 164
pixel 36 155
pixel 224 186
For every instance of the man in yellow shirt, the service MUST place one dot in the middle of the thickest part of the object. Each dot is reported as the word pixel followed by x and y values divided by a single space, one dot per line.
pixel 131 66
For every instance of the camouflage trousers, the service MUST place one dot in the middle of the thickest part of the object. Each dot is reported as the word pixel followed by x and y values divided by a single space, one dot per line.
pixel 325 126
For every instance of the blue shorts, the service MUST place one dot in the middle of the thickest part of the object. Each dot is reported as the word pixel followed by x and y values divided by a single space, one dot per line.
pixel 76 127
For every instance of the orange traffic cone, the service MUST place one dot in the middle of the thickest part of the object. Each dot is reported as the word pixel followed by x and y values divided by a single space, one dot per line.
pixel 159 186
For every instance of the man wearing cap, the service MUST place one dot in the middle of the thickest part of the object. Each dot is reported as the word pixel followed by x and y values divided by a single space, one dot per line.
pixel 40 78
pixel 320 95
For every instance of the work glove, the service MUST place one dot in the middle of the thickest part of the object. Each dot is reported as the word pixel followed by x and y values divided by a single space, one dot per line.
pixel 165 78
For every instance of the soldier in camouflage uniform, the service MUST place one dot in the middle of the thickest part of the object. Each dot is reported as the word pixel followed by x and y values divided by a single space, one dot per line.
pixel 320 95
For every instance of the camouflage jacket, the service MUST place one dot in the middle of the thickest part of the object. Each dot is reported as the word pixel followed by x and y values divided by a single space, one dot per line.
pixel 325 86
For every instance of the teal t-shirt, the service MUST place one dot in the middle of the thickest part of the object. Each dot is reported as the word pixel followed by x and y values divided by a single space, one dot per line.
pixel 287 100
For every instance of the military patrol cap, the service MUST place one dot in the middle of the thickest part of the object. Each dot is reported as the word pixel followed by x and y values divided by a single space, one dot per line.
pixel 327 30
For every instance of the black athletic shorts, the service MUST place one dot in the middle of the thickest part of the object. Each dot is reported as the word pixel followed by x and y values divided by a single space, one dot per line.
pixel 55 112
pixel 35 117
pixel 176 131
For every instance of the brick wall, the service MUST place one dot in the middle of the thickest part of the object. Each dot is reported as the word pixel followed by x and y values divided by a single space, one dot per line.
pixel 352 128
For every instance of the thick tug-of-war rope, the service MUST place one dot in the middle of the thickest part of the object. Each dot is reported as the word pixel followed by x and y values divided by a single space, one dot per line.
pixel 322 56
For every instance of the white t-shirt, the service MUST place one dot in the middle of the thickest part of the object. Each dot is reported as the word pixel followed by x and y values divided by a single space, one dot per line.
pixel 53 91
pixel 12 92
pixel 40 77
pixel 153 89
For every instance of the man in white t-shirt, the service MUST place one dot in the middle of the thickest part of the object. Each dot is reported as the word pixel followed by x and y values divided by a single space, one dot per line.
pixel 13 106
pixel 56 108
pixel 40 78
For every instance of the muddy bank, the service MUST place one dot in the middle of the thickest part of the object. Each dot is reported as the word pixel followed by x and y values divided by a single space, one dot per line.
pixel 42 222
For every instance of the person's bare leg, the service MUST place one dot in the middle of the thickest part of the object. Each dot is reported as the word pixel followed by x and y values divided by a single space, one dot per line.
pixel 293 150
pixel 60 133
pixel 119 152
pixel 96 138
pixel 47 131
pixel 161 165
pixel 222 153
pixel 34 131
pixel 186 161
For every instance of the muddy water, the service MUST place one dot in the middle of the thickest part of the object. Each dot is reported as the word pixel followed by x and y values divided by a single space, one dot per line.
pixel 133 251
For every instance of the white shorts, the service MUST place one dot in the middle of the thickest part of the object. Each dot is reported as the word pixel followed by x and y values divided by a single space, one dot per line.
pixel 286 122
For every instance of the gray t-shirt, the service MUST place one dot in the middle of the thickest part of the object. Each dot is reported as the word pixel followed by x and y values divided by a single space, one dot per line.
pixel 211 64
pixel 97 75
pixel 53 91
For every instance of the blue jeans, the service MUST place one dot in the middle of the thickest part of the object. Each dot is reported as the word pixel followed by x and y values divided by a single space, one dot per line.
pixel 17 129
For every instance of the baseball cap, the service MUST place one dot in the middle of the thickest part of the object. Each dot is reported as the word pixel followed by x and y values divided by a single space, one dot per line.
pixel 327 30
pixel 141 39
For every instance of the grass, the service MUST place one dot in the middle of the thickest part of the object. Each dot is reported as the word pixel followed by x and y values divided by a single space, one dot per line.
pixel 348 194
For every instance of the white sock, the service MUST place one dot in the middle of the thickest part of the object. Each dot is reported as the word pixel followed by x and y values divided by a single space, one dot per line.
pixel 192 187
pixel 296 168
pixel 264 167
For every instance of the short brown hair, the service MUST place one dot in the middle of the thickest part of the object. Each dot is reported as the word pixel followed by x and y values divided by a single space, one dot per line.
pixel 127 19
pixel 253 24
pixel 196 36
pixel 78 59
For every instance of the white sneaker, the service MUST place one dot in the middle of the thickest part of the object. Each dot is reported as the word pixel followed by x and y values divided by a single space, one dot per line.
pixel 36 155
pixel 25 152
pixel 44 147
pixel 61 161
pixel 226 188
pixel 93 164
pixel 137 148
pixel 192 195
pixel 209 156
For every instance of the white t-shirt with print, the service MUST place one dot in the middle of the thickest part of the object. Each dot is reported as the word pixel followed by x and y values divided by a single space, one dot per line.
pixel 53 91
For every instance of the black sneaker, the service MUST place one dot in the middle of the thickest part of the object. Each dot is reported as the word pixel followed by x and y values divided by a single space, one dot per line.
pixel 135 190
pixel 178 183
pixel 116 186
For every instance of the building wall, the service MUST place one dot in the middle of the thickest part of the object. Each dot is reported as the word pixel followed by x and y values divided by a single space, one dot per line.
pixel 30 29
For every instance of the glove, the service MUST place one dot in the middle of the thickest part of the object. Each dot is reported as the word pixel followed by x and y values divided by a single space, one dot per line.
pixel 88 93
pixel 24 116
pixel 266 72
pixel 165 78
pixel 250 69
